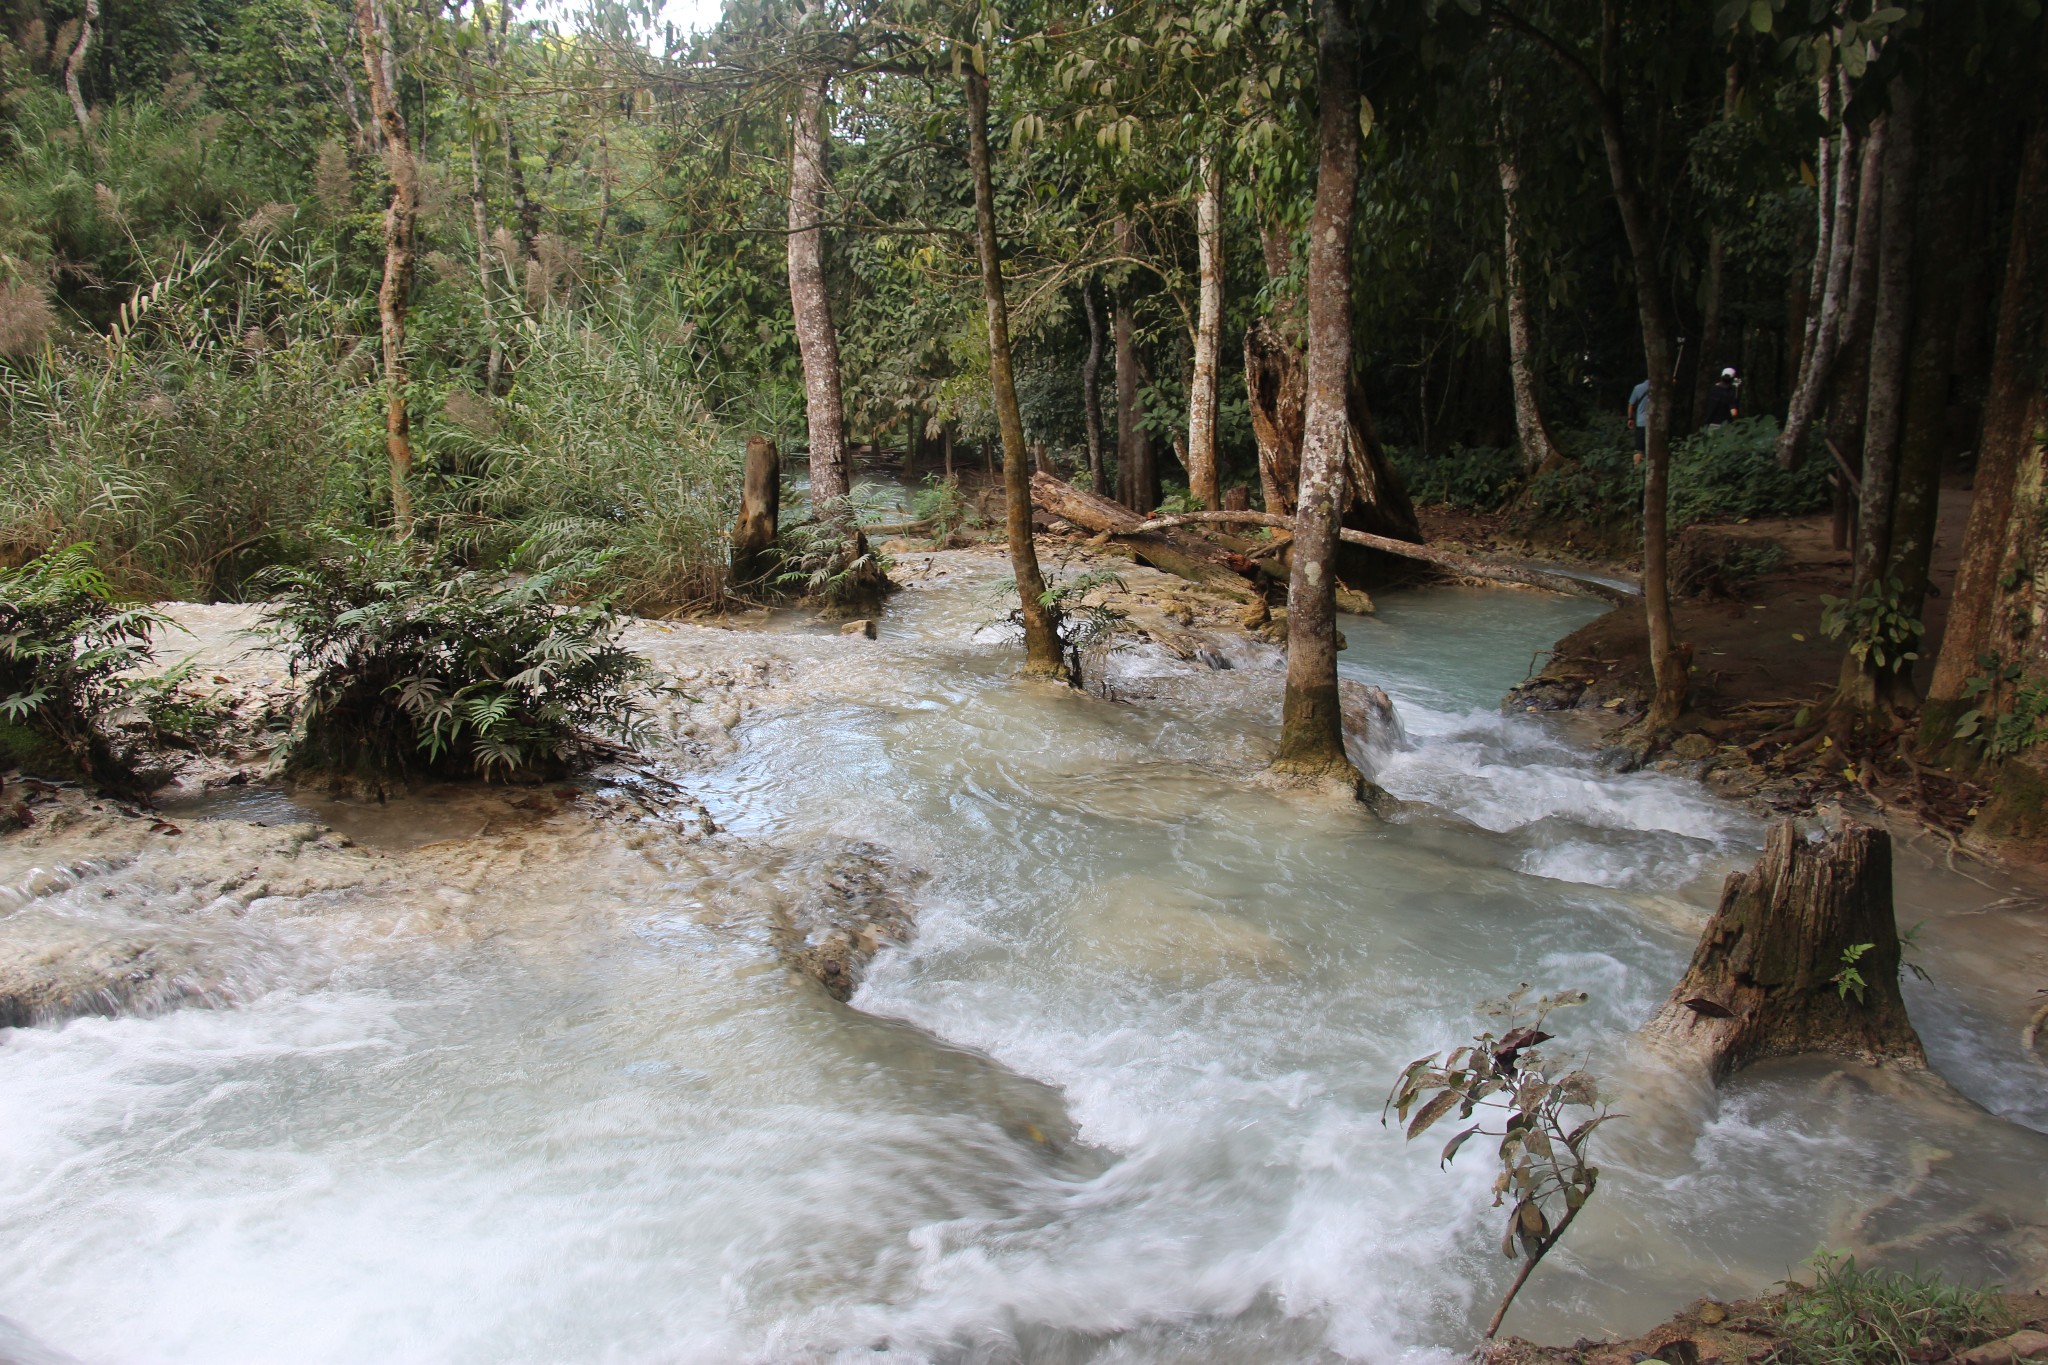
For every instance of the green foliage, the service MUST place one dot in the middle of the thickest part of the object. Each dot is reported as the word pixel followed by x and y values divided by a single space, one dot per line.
pixel 2014 705
pixel 1849 980
pixel 66 643
pixel 940 503
pixel 414 666
pixel 1854 1316
pixel 1472 478
pixel 827 560
pixel 1544 1167
pixel 1879 631
pixel 1728 472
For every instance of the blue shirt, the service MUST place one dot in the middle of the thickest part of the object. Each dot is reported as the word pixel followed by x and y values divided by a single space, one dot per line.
pixel 1639 404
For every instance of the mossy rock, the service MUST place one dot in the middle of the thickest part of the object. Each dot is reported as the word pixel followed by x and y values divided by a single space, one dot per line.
pixel 2018 808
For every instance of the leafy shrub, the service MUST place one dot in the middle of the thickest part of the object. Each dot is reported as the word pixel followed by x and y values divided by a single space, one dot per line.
pixel 1731 471
pixel 1471 478
pixel 940 503
pixel 65 646
pixel 1853 1316
pixel 415 667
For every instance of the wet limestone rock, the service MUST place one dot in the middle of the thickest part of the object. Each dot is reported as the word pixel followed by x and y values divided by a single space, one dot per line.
pixel 844 912
pixel 53 969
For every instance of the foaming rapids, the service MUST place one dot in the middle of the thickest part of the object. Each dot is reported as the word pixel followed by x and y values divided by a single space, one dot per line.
pixel 545 1093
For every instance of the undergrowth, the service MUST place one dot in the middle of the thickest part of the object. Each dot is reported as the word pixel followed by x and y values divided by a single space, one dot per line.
pixel 1851 1315
pixel 415 667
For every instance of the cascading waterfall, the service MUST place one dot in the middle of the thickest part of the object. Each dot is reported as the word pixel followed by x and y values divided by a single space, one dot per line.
pixel 549 1095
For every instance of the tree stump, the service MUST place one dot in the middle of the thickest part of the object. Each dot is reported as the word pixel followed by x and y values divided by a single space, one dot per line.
pixel 753 535
pixel 1767 979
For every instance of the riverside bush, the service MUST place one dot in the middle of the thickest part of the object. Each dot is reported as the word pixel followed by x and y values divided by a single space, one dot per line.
pixel 415 667
pixel 1851 1315
pixel 66 646
pixel 1470 478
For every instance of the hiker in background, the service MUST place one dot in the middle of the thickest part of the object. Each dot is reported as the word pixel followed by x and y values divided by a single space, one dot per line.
pixel 1639 416
pixel 1723 400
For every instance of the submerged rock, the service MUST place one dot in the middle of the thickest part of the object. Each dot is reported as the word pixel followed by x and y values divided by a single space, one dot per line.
pixel 849 906
pixel 55 969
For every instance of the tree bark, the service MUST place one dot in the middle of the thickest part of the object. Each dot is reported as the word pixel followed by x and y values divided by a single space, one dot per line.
pixel 1187 557
pixel 1091 386
pixel 1204 476
pixel 1767 978
pixel 1831 250
pixel 1137 480
pixel 1668 659
pixel 1461 565
pixel 2019 368
pixel 1889 334
pixel 76 63
pixel 1710 363
pixel 817 338
pixel 1539 451
pixel 1312 720
pixel 1044 654
pixel 394 292
pixel 753 536
pixel 1277 386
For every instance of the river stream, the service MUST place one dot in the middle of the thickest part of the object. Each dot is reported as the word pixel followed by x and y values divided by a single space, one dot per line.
pixel 1118 1101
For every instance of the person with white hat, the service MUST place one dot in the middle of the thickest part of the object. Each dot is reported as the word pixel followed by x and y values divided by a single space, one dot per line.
pixel 1723 402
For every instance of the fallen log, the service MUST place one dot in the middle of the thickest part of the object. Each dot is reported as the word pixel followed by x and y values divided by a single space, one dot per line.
pixel 1463 565
pixel 1183 556
pixel 1802 957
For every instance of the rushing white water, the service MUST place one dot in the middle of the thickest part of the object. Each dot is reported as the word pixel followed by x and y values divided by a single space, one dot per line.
pixel 1118 1102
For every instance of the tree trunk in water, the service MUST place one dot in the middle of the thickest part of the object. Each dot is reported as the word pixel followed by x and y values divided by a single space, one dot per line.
pixel 1189 557
pixel 753 536
pixel 1668 659
pixel 1831 250
pixel 1769 976
pixel 394 291
pixel 1204 477
pixel 2019 368
pixel 1312 721
pixel 76 62
pixel 1044 654
pixel 1091 387
pixel 817 339
pixel 1539 451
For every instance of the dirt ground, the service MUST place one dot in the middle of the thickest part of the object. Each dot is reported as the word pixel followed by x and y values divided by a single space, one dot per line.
pixel 1760 663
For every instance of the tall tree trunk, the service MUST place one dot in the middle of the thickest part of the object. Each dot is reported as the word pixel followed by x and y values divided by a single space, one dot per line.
pixel 1831 252
pixel 1710 363
pixel 1849 386
pixel 1312 720
pixel 396 288
pixel 1043 651
pixel 1204 475
pixel 1278 389
pixel 2019 368
pixel 1091 388
pixel 479 212
pixel 1539 451
pixel 1134 475
pixel 817 339
pixel 1668 659
pixel 75 63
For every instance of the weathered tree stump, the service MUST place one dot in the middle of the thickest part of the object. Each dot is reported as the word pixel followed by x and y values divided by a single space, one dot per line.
pixel 753 535
pixel 1768 978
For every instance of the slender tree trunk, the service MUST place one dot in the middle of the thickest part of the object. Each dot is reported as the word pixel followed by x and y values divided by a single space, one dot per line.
pixel 1831 251
pixel 399 221
pixel 1539 451
pixel 515 168
pixel 479 212
pixel 2019 368
pixel 604 191
pixel 1132 442
pixel 946 450
pixel 1711 341
pixel 817 339
pixel 1668 659
pixel 1204 476
pixel 1312 721
pixel 1091 388
pixel 75 63
pixel 1043 651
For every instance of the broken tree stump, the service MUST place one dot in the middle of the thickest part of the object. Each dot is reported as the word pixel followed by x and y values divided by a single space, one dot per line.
pixel 1769 978
pixel 753 535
